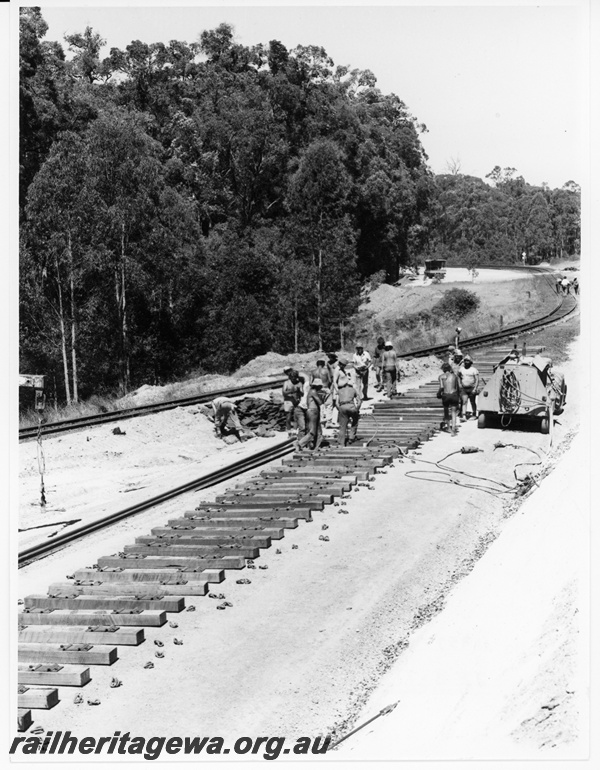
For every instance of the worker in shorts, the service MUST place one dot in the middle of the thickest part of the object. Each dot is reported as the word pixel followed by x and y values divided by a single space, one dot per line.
pixel 448 392
pixel 349 408
pixel 390 369
pixel 314 435
pixel 291 399
pixel 301 383
pixel 223 411
pixel 377 362
pixel 468 377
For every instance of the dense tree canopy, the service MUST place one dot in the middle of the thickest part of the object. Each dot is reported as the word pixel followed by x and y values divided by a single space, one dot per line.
pixel 191 205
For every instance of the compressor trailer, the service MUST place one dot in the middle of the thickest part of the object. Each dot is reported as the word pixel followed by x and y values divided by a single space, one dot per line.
pixel 524 388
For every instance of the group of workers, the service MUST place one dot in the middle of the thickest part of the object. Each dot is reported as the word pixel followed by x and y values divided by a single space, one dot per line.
pixel 564 286
pixel 329 396
pixel 458 388
pixel 311 400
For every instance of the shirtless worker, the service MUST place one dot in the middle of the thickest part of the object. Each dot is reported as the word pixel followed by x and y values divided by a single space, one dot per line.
pixel 300 381
pixel 448 392
pixel 332 365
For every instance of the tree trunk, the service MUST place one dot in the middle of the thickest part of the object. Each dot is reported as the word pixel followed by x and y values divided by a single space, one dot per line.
pixel 122 302
pixel 73 321
pixel 296 325
pixel 341 335
pixel 63 340
pixel 319 300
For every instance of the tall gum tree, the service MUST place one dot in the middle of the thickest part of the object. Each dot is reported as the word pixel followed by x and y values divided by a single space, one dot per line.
pixel 318 194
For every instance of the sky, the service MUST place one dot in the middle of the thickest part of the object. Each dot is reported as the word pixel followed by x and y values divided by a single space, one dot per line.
pixel 495 85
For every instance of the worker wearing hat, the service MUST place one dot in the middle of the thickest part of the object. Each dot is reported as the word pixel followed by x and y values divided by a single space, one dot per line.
pixel 325 374
pixel 362 367
pixel 314 435
pixel 349 408
pixel 390 369
pixel 340 377
pixel 468 377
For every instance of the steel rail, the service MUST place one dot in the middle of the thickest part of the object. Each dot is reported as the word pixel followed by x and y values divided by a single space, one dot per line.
pixel 36 552
pixel 138 411
pixel 203 398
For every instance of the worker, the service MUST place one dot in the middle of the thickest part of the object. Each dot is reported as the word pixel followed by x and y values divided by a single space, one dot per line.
pixel 291 399
pixel 576 285
pixel 362 367
pixel 390 369
pixel 558 284
pixel 323 372
pixel 301 383
pixel 455 364
pixel 349 408
pixel 331 409
pixel 314 434
pixel 377 362
pixel 340 376
pixel 566 285
pixel 457 333
pixel 448 392
pixel 468 377
pixel 224 410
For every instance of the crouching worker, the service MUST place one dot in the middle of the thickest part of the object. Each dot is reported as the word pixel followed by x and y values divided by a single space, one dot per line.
pixel 224 411
pixel 315 398
pixel 348 406
pixel 448 392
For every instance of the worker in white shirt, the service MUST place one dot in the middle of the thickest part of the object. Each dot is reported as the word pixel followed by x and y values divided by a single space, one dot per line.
pixel 362 367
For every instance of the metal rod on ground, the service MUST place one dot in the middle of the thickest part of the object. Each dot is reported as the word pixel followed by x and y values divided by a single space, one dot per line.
pixel 382 713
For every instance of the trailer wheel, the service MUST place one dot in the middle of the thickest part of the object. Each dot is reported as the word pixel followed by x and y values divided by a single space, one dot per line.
pixel 545 425
pixel 482 420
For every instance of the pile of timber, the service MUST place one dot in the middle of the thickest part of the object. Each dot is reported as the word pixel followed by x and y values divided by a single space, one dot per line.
pixel 260 415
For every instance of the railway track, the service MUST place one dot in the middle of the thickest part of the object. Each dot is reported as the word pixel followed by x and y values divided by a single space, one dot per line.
pixel 563 309
pixel 83 621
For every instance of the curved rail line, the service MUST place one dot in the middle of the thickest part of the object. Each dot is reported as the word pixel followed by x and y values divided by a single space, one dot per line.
pixel 558 313
pixel 34 553
pixel 128 593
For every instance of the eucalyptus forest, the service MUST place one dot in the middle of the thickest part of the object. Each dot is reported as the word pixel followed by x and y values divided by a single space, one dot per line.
pixel 189 206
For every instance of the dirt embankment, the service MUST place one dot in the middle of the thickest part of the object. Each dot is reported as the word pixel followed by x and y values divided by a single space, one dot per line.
pixel 390 311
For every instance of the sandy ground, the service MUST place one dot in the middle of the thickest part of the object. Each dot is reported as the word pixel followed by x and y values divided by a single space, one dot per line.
pixel 306 644
pixel 502 672
pixel 91 473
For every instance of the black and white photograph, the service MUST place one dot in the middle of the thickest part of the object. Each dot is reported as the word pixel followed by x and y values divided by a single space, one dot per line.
pixel 299 302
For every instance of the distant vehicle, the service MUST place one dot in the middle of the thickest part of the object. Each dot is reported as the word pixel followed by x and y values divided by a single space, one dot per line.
pixel 435 268
pixel 565 269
